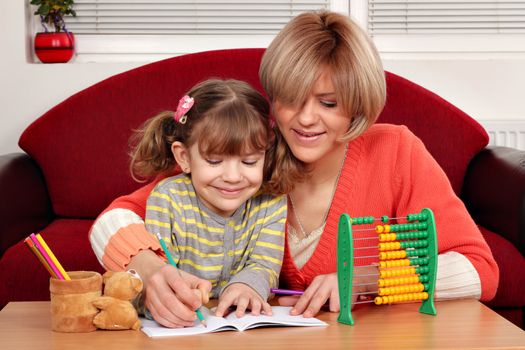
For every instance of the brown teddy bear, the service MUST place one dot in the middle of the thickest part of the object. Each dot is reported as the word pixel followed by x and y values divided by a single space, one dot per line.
pixel 116 310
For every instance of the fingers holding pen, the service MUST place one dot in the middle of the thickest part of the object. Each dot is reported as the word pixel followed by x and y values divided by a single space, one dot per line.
pixel 164 304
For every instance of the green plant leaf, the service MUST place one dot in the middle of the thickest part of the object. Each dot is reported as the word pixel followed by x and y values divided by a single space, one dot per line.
pixel 43 10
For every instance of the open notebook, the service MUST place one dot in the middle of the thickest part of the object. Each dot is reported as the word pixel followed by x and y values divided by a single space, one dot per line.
pixel 281 317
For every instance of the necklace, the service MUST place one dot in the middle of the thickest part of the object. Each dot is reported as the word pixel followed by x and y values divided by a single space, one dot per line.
pixel 325 216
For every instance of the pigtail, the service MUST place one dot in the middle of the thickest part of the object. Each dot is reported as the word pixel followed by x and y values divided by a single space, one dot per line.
pixel 282 169
pixel 151 147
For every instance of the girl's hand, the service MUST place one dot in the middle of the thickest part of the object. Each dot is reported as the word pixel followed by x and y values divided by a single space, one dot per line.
pixel 171 295
pixel 243 297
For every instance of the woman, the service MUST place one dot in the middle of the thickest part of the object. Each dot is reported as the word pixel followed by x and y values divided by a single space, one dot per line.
pixel 326 83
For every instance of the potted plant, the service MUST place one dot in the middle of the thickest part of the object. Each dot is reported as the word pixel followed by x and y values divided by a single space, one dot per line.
pixel 56 44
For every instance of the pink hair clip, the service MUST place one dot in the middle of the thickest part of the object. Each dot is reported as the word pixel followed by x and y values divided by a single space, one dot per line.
pixel 184 106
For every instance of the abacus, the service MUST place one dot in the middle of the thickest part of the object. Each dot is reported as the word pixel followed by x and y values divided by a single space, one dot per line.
pixel 407 260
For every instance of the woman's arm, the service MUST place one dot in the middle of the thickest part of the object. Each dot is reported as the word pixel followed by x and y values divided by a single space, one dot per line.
pixel 119 233
pixel 466 265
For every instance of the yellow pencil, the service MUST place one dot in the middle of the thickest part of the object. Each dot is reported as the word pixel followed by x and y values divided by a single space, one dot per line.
pixel 53 257
pixel 35 251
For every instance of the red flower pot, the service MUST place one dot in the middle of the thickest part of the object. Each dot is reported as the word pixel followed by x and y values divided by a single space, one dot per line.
pixel 54 47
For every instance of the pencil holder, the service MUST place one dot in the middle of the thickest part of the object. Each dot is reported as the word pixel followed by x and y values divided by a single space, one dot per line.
pixel 71 301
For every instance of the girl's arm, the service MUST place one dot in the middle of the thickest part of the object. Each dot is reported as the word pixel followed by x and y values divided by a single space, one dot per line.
pixel 170 295
pixel 261 271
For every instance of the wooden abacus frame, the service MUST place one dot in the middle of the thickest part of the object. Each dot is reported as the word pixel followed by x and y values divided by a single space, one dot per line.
pixel 407 252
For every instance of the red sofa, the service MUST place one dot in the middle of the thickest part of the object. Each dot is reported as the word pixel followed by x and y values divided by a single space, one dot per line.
pixel 76 163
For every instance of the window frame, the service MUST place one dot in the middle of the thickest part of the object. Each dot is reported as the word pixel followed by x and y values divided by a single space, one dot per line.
pixel 437 46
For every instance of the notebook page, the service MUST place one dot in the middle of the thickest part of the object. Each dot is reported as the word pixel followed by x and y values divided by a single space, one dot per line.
pixel 281 316
pixel 215 324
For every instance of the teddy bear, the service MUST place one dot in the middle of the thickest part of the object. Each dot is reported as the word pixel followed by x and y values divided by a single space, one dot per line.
pixel 116 310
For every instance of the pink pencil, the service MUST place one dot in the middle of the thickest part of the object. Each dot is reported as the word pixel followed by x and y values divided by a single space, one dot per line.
pixel 44 254
pixel 286 291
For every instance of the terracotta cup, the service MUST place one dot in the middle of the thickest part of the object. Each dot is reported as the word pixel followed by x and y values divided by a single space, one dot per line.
pixel 71 307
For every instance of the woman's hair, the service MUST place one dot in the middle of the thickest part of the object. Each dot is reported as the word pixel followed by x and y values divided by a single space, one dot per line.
pixel 314 41
pixel 228 117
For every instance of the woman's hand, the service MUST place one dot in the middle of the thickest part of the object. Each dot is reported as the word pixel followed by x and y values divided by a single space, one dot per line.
pixel 171 295
pixel 243 297
pixel 322 290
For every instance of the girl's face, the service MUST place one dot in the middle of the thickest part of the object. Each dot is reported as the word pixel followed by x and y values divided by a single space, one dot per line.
pixel 223 183
pixel 312 130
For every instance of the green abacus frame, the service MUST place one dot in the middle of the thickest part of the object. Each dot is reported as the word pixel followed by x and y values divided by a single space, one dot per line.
pixel 345 259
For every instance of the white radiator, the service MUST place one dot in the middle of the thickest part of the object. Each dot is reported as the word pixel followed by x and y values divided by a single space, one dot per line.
pixel 510 133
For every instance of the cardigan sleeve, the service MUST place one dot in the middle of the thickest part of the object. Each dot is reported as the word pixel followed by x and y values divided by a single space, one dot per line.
pixel 426 185
pixel 119 232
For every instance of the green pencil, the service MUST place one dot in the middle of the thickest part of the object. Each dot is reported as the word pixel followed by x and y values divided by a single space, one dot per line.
pixel 174 264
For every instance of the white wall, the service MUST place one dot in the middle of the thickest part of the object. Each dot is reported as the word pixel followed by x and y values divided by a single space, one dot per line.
pixel 27 90
pixel 488 89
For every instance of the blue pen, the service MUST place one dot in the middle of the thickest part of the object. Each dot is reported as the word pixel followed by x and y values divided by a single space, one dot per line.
pixel 174 264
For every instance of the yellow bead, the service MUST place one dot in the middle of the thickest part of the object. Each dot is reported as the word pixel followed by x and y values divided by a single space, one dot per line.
pixel 379 228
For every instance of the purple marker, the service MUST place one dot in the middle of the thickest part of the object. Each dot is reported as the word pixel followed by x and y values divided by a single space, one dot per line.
pixel 286 291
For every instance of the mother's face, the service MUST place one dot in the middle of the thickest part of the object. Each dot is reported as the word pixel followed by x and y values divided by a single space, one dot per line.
pixel 312 130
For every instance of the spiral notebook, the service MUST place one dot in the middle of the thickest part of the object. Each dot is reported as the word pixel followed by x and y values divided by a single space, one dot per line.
pixel 281 318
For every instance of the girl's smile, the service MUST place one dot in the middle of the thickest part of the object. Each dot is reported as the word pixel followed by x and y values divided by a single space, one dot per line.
pixel 222 182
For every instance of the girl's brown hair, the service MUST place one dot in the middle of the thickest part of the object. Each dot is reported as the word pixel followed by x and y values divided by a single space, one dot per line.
pixel 228 117
pixel 314 41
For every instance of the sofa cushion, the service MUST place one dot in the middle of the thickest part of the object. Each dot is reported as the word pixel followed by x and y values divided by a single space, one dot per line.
pixel 67 239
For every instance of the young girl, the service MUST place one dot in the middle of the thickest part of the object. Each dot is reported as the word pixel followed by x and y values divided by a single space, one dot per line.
pixel 223 217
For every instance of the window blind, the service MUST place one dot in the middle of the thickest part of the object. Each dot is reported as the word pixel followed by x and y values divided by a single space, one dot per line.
pixel 186 17
pixel 446 16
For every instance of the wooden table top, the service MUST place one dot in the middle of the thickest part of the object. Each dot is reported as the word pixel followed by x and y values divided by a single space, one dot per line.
pixel 459 324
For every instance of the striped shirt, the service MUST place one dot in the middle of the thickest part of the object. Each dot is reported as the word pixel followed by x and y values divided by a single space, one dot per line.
pixel 246 247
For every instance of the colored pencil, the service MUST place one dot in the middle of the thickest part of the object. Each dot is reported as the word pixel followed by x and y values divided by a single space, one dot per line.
pixel 46 256
pixel 286 291
pixel 174 264
pixel 53 257
pixel 39 256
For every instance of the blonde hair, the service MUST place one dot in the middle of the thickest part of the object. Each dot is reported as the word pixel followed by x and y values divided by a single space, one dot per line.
pixel 228 117
pixel 314 41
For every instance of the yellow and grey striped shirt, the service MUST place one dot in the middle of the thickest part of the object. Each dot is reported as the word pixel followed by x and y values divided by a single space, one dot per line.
pixel 247 247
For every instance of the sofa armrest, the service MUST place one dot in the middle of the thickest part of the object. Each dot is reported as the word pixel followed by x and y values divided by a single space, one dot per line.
pixel 494 192
pixel 25 206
